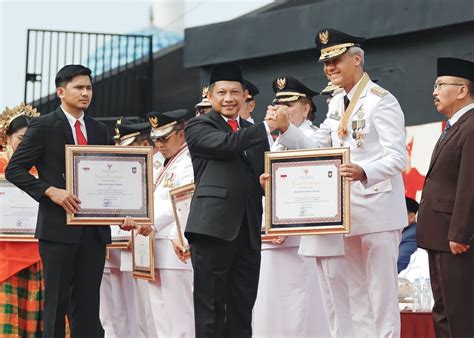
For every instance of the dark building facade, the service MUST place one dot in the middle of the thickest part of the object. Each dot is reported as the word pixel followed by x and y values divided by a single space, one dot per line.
pixel 404 38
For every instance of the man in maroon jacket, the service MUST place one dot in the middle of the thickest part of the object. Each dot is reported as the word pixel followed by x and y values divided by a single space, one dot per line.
pixel 446 215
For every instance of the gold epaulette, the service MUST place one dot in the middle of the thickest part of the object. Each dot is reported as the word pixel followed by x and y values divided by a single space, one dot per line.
pixel 337 91
pixel 379 91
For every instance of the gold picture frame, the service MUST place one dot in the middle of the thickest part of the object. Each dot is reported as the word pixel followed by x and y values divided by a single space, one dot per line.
pixel 113 182
pixel 306 195
pixel 120 238
pixel 144 267
pixel 181 202
pixel 22 211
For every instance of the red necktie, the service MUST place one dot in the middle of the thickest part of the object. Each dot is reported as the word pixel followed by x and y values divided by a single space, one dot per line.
pixel 81 139
pixel 233 124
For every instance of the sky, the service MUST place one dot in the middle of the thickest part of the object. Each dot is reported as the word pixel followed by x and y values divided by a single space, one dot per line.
pixel 125 16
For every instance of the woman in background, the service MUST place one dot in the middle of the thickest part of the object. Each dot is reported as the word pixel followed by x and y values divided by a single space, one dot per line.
pixel 21 288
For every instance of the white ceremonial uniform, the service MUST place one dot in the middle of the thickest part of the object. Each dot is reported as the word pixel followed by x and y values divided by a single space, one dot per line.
pixel 136 290
pixel 378 210
pixel 117 306
pixel 288 301
pixel 171 294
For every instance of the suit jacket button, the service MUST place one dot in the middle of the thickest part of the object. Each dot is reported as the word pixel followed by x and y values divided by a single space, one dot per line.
pixel 422 201
pixel 427 180
pixel 376 189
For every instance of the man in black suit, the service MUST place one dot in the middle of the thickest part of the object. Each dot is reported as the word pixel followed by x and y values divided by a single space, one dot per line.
pixel 73 256
pixel 224 222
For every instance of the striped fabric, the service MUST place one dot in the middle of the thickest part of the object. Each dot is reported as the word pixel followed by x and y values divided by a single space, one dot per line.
pixel 21 303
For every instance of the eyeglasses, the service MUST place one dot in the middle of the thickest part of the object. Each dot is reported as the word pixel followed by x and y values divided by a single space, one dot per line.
pixel 440 85
pixel 163 139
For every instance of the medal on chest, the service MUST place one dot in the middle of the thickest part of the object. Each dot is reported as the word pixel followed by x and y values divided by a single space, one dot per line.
pixel 358 126
pixel 168 180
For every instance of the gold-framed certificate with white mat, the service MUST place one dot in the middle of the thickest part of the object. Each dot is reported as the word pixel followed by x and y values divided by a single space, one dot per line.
pixel 112 183
pixel 142 256
pixel 181 201
pixel 306 194
pixel 18 213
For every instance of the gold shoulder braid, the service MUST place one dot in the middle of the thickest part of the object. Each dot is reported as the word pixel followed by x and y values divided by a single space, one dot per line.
pixel 8 115
pixel 342 129
pixel 379 91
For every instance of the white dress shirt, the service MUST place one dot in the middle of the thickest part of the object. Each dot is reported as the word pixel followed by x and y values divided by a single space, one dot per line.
pixel 72 121
pixel 460 113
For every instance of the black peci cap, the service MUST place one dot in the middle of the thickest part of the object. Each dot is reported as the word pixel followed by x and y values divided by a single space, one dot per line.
pixel 226 72
pixel 456 67
pixel 253 90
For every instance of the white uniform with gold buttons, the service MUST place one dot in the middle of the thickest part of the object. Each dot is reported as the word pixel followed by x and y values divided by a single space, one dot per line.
pixel 376 138
pixel 138 300
pixel 289 300
pixel 170 294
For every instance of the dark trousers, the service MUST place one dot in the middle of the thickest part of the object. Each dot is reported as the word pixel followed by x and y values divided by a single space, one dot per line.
pixel 452 282
pixel 72 276
pixel 225 285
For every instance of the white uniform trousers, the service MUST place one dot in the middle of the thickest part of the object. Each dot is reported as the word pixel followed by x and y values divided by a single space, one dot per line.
pixel 117 310
pixel 137 296
pixel 332 274
pixel 373 283
pixel 171 300
pixel 288 300
pixel 143 308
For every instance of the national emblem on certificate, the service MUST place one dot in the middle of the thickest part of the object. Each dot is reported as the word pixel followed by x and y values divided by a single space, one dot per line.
pixel 306 193
pixel 111 182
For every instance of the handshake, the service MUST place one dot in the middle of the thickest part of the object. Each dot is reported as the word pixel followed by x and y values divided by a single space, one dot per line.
pixel 278 117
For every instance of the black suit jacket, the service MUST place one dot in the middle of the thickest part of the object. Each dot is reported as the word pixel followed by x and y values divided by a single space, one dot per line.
pixel 226 166
pixel 43 146
pixel 446 210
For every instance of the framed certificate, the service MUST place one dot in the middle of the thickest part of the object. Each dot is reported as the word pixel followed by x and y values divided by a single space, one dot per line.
pixel 112 182
pixel 181 201
pixel 120 238
pixel 143 256
pixel 18 213
pixel 267 238
pixel 306 194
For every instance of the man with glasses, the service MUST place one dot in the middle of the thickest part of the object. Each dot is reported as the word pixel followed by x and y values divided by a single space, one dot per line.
pixel 170 294
pixel 369 120
pixel 446 214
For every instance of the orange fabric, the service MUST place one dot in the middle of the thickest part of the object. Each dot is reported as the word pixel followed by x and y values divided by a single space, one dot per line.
pixel 16 256
pixel 3 164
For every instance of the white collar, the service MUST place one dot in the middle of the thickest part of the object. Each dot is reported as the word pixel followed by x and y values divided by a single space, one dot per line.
pixel 457 115
pixel 353 89
pixel 227 119
pixel 72 119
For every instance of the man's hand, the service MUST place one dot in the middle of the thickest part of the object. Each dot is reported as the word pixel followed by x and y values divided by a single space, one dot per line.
pixel 458 248
pixel 144 230
pixel 263 180
pixel 128 224
pixel 279 240
pixel 353 172
pixel 69 202
pixel 278 117
pixel 181 251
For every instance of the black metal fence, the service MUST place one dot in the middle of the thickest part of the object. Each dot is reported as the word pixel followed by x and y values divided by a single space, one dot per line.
pixel 122 69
